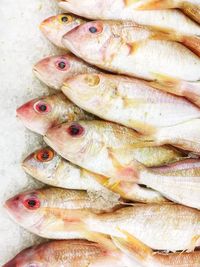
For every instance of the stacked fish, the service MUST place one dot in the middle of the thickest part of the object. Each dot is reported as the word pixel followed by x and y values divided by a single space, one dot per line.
pixel 125 117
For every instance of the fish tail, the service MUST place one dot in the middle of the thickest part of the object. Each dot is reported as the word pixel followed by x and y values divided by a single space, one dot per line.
pixel 190 90
pixel 191 10
pixel 157 4
pixel 133 247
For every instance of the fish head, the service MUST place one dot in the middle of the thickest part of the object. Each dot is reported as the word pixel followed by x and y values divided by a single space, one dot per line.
pixel 56 26
pixel 29 257
pixel 88 90
pixel 89 40
pixel 54 70
pixel 42 164
pixel 74 140
pixel 27 209
pixel 40 114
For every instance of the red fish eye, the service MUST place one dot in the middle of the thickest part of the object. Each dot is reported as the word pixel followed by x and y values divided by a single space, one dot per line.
pixel 42 107
pixel 62 64
pixel 75 130
pixel 45 155
pixel 97 28
pixel 32 203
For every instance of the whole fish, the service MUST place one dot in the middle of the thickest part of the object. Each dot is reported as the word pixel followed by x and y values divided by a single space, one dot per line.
pixel 112 150
pixel 130 102
pixel 48 167
pixel 34 209
pixel 54 70
pixel 162 227
pixel 125 48
pixel 129 10
pixel 70 253
pixel 149 258
pixel 42 113
pixel 56 26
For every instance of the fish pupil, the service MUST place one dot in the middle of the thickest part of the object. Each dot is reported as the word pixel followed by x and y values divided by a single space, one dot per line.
pixel 93 29
pixel 74 130
pixel 45 155
pixel 64 19
pixel 43 108
pixel 62 65
pixel 32 203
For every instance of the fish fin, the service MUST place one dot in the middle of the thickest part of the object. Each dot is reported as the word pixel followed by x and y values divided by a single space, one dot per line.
pixel 130 2
pixel 191 10
pixel 157 4
pixel 190 90
pixel 132 246
pixel 191 42
pixel 195 242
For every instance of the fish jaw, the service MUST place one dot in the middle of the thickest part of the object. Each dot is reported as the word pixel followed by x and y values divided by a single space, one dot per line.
pixel 56 26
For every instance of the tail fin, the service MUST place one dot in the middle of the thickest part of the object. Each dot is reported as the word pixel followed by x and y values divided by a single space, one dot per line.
pixel 192 11
pixel 190 90
pixel 133 247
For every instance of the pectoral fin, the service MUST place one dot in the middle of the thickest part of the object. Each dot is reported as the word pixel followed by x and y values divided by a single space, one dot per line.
pixel 132 247
pixel 157 4
pixel 191 10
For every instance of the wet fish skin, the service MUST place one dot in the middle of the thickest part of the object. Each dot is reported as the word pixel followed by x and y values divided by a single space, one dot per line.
pixel 51 72
pixel 131 102
pixel 70 253
pixel 115 42
pixel 55 27
pixel 129 10
pixel 57 109
pixel 56 171
pixel 122 155
pixel 38 210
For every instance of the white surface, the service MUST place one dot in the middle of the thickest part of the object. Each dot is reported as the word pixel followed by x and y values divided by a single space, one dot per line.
pixel 21 45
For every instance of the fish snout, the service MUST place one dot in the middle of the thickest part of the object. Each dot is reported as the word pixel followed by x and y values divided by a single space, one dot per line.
pixel 11 263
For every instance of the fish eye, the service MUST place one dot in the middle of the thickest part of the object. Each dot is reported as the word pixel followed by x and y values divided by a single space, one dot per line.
pixel 62 64
pixel 97 28
pixel 32 203
pixel 75 130
pixel 93 29
pixel 45 155
pixel 65 18
pixel 42 107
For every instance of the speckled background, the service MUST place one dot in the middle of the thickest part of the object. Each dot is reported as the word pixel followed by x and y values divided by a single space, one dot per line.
pixel 21 45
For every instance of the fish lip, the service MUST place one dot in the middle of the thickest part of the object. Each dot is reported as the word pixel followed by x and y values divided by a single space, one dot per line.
pixel 43 80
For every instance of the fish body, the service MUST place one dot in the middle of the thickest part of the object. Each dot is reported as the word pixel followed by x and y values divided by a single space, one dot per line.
pixel 56 26
pixel 54 70
pixel 129 10
pixel 162 227
pixel 112 150
pixel 42 113
pixel 130 102
pixel 48 167
pixel 69 253
pixel 126 48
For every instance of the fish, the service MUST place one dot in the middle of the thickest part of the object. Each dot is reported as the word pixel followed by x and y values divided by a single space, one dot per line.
pixel 169 227
pixel 54 70
pixel 55 27
pixel 42 113
pixel 125 48
pixel 71 253
pixel 37 208
pixel 48 167
pixel 117 152
pixel 131 102
pixel 165 19
pixel 149 258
